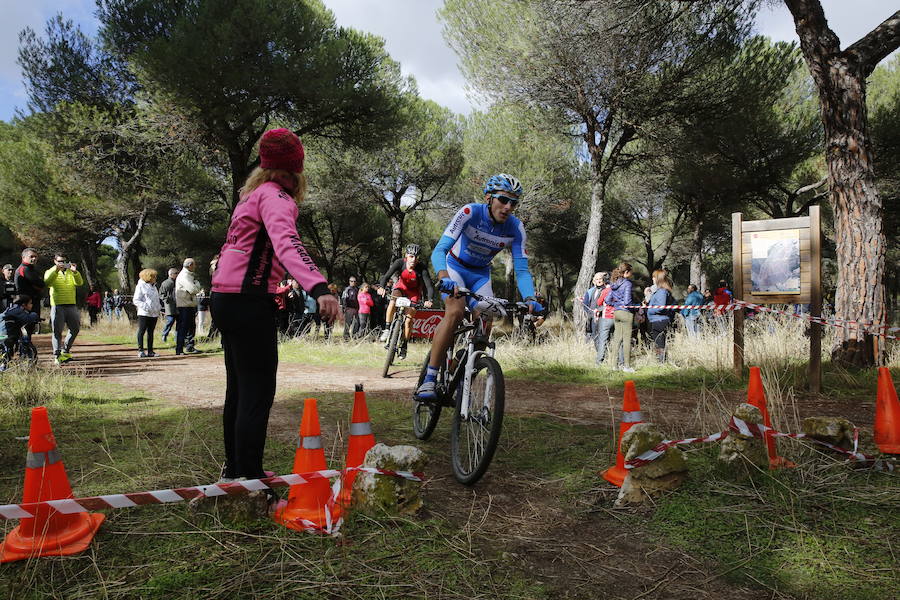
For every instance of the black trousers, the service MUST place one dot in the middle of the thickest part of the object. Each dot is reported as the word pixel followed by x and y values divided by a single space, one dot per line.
pixel 185 328
pixel 250 341
pixel 659 332
pixel 146 325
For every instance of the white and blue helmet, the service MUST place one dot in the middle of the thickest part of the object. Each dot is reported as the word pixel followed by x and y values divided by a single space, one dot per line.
pixel 503 183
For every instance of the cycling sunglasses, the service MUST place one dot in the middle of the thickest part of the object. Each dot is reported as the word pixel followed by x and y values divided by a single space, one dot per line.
pixel 506 199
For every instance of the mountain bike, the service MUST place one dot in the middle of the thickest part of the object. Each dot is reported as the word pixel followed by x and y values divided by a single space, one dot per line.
pixel 22 346
pixel 470 381
pixel 395 332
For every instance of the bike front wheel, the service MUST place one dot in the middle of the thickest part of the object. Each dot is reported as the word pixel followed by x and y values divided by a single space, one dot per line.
pixel 393 340
pixel 474 438
pixel 425 415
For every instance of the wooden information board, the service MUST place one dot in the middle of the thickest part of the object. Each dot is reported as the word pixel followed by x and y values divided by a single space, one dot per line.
pixel 779 261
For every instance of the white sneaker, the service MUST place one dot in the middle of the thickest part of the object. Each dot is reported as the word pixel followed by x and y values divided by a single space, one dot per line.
pixel 628 370
pixel 384 335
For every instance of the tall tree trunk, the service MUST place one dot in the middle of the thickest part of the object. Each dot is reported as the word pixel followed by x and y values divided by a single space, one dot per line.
pixel 136 265
pixel 592 239
pixel 840 77
pixel 397 217
pixel 858 215
pixel 89 265
pixel 122 270
pixel 128 237
pixel 698 277
pixel 509 278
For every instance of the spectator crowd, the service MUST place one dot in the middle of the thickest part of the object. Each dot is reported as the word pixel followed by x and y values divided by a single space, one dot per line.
pixel 617 315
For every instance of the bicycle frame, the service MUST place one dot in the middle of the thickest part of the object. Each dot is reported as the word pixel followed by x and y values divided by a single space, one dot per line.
pixel 473 332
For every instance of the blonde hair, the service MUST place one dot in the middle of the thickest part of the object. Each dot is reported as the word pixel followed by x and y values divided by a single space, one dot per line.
pixel 295 183
pixel 661 279
pixel 148 275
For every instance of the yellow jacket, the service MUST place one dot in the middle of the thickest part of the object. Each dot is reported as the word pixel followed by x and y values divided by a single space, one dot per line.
pixel 62 285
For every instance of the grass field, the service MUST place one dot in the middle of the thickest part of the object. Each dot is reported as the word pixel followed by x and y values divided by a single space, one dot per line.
pixel 821 531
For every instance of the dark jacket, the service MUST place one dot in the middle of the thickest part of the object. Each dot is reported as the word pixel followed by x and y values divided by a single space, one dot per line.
pixel 167 295
pixel 620 294
pixel 14 318
pixel 661 296
pixel 9 292
pixel 348 297
pixel 30 282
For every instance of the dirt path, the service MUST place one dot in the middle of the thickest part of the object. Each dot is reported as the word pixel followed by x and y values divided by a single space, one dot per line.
pixel 199 380
pixel 576 551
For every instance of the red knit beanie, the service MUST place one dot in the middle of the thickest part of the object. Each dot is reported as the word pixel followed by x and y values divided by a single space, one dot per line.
pixel 281 149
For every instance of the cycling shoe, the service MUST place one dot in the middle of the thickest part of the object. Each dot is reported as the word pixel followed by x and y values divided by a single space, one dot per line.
pixel 426 392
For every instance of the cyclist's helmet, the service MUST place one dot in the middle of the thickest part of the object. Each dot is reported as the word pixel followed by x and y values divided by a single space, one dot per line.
pixel 503 183
pixel 413 249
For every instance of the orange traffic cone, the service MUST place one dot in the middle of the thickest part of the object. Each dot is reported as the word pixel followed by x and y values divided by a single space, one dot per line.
pixel 307 501
pixel 756 396
pixel 887 414
pixel 49 532
pixel 631 415
pixel 361 440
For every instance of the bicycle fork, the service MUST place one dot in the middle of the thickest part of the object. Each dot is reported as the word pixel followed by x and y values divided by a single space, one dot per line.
pixel 472 356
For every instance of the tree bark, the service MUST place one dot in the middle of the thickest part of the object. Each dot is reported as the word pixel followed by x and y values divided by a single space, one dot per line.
pixel 698 277
pixel 127 245
pixel 397 218
pixel 840 77
pixel 89 265
pixel 591 241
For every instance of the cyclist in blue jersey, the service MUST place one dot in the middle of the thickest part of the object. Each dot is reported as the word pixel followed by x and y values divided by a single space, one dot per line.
pixel 462 259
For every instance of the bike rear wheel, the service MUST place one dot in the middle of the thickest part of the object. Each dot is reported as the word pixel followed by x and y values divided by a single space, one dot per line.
pixel 474 439
pixel 393 340
pixel 425 415
pixel 28 353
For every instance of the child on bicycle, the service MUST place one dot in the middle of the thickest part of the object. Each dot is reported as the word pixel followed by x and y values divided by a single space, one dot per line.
pixel 462 259
pixel 16 316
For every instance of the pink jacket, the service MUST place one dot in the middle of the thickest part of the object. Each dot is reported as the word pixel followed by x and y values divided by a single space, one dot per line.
pixel 365 303
pixel 264 228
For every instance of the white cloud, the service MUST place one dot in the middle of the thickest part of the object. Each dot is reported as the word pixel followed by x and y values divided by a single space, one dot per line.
pixel 412 36
pixel 411 32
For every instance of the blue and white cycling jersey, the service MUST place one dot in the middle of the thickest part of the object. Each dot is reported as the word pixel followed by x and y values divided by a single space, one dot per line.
pixel 471 241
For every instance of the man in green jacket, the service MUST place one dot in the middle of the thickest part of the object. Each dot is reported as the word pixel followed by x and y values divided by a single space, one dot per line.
pixel 62 279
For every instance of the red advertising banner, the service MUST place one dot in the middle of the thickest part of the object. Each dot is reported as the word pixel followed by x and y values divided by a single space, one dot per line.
pixel 425 322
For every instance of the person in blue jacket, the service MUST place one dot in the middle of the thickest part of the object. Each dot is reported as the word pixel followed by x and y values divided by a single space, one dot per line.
pixel 462 259
pixel 661 318
pixel 691 315
pixel 14 317
pixel 620 299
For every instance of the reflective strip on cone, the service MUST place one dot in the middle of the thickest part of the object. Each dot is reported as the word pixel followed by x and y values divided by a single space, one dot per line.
pixel 361 428
pixel 631 416
pixel 36 460
pixel 310 442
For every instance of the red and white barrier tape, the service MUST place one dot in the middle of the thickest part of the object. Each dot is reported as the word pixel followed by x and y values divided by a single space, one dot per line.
pixel 81 505
pixel 756 430
pixel 869 327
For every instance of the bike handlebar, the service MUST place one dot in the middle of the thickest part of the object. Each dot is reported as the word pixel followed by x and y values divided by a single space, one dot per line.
pixel 509 305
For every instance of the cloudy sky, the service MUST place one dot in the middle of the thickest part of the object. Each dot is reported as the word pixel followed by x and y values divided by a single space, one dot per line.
pixel 411 31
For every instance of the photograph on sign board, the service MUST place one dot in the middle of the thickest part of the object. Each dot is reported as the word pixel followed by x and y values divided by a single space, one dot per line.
pixel 776 262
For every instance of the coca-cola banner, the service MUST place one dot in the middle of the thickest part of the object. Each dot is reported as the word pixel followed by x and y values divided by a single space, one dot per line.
pixel 426 322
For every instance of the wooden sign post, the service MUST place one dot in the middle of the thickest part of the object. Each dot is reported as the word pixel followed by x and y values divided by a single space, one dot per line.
pixel 779 261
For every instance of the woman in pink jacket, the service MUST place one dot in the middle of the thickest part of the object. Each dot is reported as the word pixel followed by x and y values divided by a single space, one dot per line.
pixel 262 242
pixel 365 309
